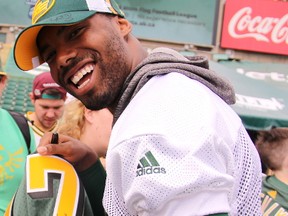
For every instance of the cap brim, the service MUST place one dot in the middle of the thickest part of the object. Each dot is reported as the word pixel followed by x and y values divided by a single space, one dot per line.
pixel 3 73
pixel 26 54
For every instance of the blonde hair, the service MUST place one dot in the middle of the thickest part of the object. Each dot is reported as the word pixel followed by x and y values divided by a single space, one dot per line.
pixel 73 119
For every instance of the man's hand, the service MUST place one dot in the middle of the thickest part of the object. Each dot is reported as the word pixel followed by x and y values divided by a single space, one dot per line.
pixel 78 154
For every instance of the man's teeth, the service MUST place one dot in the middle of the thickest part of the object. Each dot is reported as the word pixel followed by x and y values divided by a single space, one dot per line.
pixel 83 84
pixel 78 76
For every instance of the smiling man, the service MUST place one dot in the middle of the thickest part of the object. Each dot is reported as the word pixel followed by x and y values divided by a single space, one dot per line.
pixel 177 147
pixel 48 99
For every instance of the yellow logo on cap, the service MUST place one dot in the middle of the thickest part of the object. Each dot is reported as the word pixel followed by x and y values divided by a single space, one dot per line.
pixel 41 8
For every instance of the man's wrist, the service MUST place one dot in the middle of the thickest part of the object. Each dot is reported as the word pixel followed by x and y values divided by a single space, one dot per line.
pixel 88 160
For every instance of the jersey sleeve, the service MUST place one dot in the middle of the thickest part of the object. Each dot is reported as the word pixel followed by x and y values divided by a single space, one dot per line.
pixel 178 148
pixel 94 182
pixel 164 180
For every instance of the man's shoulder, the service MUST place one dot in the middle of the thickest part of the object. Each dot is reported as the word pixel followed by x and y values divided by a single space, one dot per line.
pixel 174 82
pixel 6 116
pixel 28 115
pixel 37 131
pixel 3 112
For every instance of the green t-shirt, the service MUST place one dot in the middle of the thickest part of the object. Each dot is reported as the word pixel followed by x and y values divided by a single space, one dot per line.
pixel 13 151
pixel 274 196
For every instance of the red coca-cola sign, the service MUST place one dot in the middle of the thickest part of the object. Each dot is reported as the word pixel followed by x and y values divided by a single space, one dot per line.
pixel 256 25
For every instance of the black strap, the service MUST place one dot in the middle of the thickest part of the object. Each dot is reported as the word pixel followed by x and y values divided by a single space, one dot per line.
pixel 24 127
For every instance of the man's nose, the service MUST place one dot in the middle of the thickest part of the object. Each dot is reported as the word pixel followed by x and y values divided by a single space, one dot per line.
pixel 50 113
pixel 64 56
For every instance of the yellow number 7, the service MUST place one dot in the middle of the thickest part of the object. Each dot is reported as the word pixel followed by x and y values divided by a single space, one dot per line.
pixel 40 172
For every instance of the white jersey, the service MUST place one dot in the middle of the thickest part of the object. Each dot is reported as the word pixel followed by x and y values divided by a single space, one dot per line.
pixel 178 149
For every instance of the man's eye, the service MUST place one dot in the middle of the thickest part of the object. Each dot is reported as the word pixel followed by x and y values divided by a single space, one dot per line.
pixel 75 32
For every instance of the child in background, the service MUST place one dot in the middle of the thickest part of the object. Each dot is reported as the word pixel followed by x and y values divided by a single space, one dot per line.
pixel 272 146
pixel 91 127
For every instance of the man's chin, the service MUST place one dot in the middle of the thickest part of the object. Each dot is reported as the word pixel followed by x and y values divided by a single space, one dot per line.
pixel 49 126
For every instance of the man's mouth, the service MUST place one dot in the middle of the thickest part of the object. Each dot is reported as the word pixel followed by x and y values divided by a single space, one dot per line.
pixel 80 79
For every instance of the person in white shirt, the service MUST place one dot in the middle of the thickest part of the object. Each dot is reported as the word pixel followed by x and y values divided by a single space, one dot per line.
pixel 177 147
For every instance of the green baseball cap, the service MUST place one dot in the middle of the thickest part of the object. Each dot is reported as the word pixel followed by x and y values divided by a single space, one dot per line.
pixel 55 12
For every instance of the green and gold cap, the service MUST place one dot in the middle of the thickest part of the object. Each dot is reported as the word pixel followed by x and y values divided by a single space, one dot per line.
pixel 55 12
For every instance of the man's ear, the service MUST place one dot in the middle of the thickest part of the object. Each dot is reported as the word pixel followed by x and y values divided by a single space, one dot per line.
pixel 4 79
pixel 125 26
pixel 3 82
pixel 32 98
pixel 88 115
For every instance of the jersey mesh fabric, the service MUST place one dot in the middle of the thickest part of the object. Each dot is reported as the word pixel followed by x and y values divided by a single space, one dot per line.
pixel 178 149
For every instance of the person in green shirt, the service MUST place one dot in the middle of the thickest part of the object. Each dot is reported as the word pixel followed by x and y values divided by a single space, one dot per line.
pixel 13 151
pixel 272 146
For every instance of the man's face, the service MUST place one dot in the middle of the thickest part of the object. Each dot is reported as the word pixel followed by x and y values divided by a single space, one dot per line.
pixel 48 111
pixel 89 59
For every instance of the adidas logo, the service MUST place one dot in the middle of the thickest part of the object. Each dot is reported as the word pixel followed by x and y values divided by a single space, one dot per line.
pixel 149 165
